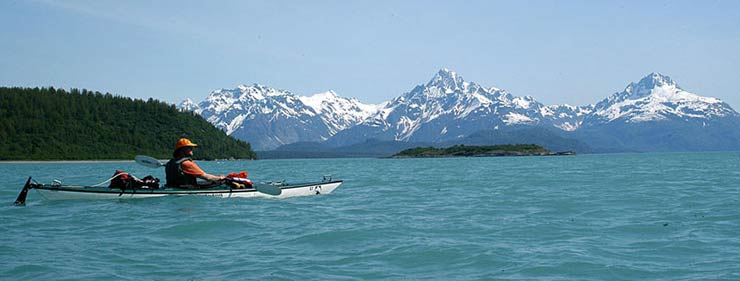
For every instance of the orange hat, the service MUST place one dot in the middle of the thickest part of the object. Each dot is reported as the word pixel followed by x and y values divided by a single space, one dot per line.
pixel 183 142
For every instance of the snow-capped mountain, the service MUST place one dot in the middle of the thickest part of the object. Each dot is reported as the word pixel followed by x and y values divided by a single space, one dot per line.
pixel 566 117
pixel 448 108
pixel 188 105
pixel 655 98
pixel 652 114
pixel 337 112
pixel 655 114
pixel 268 117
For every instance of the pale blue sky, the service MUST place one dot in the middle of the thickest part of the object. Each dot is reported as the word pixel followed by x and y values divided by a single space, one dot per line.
pixel 575 52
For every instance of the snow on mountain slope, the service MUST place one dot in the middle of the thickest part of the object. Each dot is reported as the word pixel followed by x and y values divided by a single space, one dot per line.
pixel 189 105
pixel 656 97
pixel 445 108
pixel 253 112
pixel 337 112
pixel 566 117
pixel 448 107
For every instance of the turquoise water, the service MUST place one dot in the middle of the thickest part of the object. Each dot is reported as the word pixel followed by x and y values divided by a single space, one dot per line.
pixel 585 217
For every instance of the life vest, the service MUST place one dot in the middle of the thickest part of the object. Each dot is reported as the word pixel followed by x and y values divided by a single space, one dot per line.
pixel 176 177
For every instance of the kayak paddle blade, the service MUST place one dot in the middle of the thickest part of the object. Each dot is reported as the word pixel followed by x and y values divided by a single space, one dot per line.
pixel 148 161
pixel 21 200
pixel 268 189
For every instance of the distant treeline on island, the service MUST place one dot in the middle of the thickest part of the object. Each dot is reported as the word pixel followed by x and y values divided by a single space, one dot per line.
pixel 55 124
pixel 479 151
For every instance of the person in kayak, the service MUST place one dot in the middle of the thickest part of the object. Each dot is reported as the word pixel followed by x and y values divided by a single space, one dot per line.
pixel 182 171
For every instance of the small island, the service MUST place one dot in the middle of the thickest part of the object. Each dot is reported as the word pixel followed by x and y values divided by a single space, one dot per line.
pixel 479 151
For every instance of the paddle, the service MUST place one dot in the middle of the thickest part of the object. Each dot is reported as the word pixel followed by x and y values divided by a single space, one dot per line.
pixel 148 161
pixel 151 162
pixel 21 200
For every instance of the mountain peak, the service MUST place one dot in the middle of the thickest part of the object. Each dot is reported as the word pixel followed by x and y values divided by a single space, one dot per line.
pixel 447 79
pixel 446 71
pixel 315 101
pixel 329 94
pixel 254 87
pixel 647 85
pixel 655 80
pixel 188 105
pixel 657 97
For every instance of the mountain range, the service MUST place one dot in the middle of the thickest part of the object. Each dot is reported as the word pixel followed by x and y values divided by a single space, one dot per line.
pixel 654 114
pixel 268 117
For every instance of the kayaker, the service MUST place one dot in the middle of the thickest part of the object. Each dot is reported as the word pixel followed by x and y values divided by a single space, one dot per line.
pixel 182 171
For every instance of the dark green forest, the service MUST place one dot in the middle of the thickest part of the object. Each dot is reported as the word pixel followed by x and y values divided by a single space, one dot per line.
pixel 55 124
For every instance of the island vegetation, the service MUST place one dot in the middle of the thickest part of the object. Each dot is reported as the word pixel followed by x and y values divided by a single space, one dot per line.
pixel 56 124
pixel 478 151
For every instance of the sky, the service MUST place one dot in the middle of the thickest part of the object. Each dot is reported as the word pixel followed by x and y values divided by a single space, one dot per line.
pixel 559 52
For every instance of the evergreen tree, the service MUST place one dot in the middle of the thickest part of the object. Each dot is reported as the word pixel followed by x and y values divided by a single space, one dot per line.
pixel 53 124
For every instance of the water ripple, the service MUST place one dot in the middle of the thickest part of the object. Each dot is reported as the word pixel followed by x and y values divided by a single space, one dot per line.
pixel 589 217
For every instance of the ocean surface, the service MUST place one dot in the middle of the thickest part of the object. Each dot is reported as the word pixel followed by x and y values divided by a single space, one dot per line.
pixel 671 216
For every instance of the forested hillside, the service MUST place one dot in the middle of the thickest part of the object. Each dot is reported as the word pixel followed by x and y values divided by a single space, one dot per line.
pixel 54 124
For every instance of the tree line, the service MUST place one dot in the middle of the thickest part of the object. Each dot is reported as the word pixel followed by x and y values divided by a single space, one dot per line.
pixel 56 124
pixel 470 151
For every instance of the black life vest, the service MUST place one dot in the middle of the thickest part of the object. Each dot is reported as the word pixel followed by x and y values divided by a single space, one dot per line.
pixel 176 177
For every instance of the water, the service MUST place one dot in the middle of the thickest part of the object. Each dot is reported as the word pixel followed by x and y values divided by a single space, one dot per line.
pixel 585 217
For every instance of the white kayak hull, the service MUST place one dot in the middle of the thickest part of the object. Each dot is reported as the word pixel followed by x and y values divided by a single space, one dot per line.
pixel 60 192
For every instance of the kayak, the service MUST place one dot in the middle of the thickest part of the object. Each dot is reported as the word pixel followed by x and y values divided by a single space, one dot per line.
pixel 58 191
